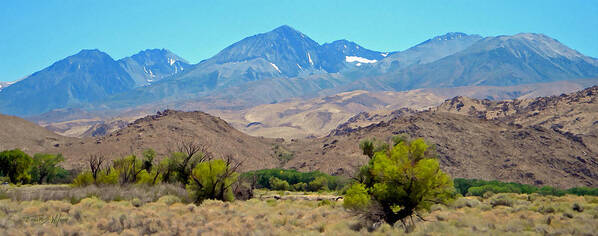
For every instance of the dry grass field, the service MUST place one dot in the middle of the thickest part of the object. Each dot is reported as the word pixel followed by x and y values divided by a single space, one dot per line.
pixel 167 214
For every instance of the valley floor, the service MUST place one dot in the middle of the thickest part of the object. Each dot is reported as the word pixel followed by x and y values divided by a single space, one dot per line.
pixel 501 214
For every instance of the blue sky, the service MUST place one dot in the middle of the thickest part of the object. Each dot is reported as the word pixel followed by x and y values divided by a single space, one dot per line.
pixel 34 34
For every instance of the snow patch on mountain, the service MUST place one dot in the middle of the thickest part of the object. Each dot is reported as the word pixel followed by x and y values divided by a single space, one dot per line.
pixel 5 84
pixel 275 67
pixel 359 59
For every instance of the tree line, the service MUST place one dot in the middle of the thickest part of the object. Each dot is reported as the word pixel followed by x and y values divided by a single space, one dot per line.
pixel 293 180
pixel 190 165
pixel 476 187
pixel 19 168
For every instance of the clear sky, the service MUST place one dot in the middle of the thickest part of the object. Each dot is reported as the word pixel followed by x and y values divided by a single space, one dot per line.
pixel 34 34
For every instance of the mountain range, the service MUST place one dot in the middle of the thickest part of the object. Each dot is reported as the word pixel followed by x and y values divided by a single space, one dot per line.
pixel 283 64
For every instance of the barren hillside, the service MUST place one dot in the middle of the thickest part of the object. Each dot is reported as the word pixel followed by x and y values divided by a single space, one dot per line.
pixel 512 148
pixel 29 137
pixel 316 117
pixel 163 131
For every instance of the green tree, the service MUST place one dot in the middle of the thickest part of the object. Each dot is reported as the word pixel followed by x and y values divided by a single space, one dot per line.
pixel 15 164
pixel 213 179
pixel 398 183
pixel 45 167
pixel 167 168
pixel 148 159
pixel 129 168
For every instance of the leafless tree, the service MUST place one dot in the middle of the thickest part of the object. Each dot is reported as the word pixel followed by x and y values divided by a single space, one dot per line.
pixel 95 164
pixel 194 153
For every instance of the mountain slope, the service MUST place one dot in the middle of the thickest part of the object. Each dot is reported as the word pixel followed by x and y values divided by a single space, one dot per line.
pixel 288 49
pixel 86 77
pixel 152 65
pixel 429 50
pixel 574 115
pixel 27 136
pixel 473 147
pixel 500 61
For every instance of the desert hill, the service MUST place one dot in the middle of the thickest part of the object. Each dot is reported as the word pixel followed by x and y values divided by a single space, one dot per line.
pixel 27 136
pixel 164 130
pixel 161 132
pixel 574 114
pixel 316 117
pixel 475 147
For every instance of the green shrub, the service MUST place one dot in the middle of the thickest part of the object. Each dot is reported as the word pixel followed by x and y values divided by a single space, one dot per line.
pixel 546 209
pixel 300 187
pixel 136 202
pixel 465 202
pixel 169 199
pixel 279 184
pixel 320 183
pixel 325 202
pixel 108 177
pixel 149 178
pixel 83 179
pixel 501 200
pixel 577 207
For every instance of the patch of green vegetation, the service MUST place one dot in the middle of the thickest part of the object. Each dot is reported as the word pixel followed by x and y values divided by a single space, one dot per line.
pixel 476 187
pixel 299 181
pixel 17 167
